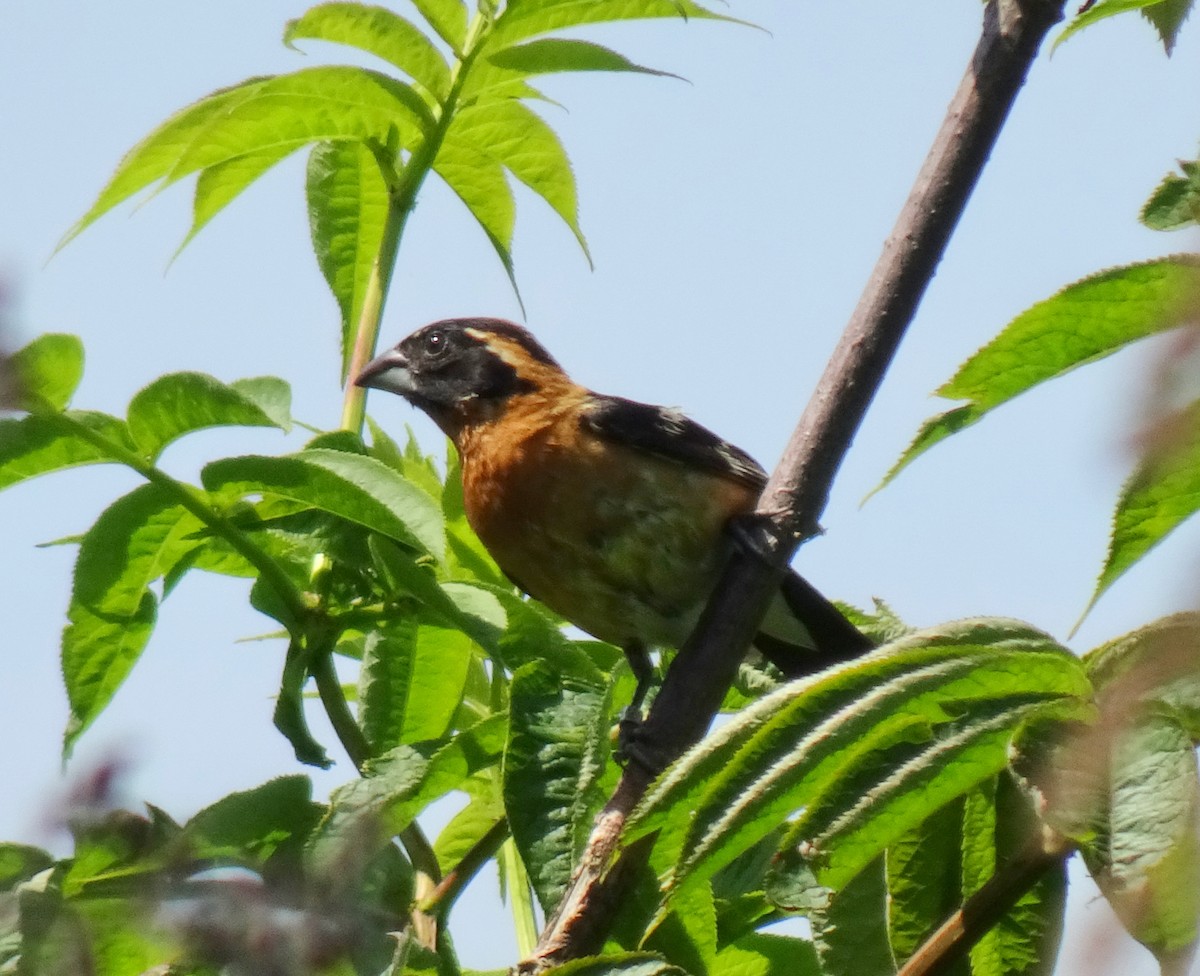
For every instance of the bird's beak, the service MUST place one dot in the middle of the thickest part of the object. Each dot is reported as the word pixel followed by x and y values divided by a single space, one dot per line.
pixel 389 372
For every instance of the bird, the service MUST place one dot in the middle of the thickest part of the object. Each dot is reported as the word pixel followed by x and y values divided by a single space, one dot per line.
pixel 615 514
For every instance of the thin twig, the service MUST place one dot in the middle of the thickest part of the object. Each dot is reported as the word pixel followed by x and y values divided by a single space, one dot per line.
pixel 986 907
pixel 458 877
pixel 795 496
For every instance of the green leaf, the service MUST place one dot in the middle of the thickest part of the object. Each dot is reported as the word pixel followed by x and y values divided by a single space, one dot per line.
pixel 312 105
pixel 1084 322
pixel 561 54
pixel 1098 12
pixel 112 611
pixel 351 486
pixel 1168 17
pixel 557 750
pixel 865 751
pixel 269 117
pixel 1147 861
pixel 289 716
pixel 399 785
pixel 378 31
pixel 41 443
pixel 1162 493
pixel 511 134
pixel 1175 202
pixel 411 682
pixel 760 954
pixel 20 862
pixel 271 395
pixel 154 157
pixel 348 206
pixel 523 20
pixel 221 184
pixel 448 18
pixel 1024 942
pixel 98 652
pixel 465 829
pixel 47 372
pixel 479 182
pixel 256 822
pixel 1157 663
pixel 618 964
pixel 179 403
pixel 850 928
pixel 924 881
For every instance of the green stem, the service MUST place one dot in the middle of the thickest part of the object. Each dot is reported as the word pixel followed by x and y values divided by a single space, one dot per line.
pixel 403 186
pixel 192 500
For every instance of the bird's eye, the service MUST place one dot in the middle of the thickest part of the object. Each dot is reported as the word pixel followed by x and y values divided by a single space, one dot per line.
pixel 435 342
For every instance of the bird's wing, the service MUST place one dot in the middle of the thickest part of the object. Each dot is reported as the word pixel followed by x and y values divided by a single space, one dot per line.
pixel 669 434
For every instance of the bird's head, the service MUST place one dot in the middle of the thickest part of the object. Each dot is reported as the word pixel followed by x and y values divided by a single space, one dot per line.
pixel 463 371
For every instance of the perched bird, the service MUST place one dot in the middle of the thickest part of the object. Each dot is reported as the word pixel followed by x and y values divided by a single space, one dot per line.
pixel 612 513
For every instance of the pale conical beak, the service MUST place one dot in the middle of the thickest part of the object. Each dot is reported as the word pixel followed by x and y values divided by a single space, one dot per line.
pixel 390 372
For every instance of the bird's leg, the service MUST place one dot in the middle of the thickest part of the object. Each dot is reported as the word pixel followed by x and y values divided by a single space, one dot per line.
pixel 630 723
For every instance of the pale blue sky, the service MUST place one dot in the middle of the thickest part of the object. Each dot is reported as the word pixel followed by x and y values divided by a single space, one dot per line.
pixel 732 219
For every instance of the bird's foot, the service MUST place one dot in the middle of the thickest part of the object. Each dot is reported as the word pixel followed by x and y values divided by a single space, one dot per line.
pixel 756 536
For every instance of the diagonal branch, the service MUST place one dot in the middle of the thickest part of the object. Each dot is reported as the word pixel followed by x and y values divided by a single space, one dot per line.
pixel 795 497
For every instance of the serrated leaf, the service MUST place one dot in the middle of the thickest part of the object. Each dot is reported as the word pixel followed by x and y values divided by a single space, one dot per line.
pixel 179 403
pixel 760 954
pixel 312 105
pixel 255 822
pixel 399 785
pixel 465 829
pixel 276 116
pixel 924 881
pixel 1175 202
pixel 557 750
pixel 939 705
pixel 155 156
pixel 1168 17
pixel 112 611
pixel 219 185
pixel 1147 862
pixel 525 20
pixel 511 134
pixel 1024 942
pixel 411 682
pixel 348 207
pixel 377 31
pixel 1084 322
pixel 351 486
pixel 479 182
pixel 850 928
pixel 562 54
pixel 41 443
pixel 448 18
pixel 1097 12
pixel 46 372
pixel 98 653
pixel 272 395
pixel 1162 493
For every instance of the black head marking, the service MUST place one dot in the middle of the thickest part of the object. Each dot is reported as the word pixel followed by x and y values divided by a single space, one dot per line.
pixel 453 361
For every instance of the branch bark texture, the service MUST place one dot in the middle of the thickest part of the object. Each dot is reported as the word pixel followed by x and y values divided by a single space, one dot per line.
pixel 791 505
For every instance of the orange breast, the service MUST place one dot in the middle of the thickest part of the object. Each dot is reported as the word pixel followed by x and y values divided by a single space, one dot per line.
pixel 623 544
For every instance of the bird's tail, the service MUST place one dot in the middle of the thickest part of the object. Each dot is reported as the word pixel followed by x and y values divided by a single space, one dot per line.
pixel 823 636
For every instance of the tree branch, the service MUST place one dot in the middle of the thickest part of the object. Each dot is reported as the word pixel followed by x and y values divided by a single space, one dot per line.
pixel 795 496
